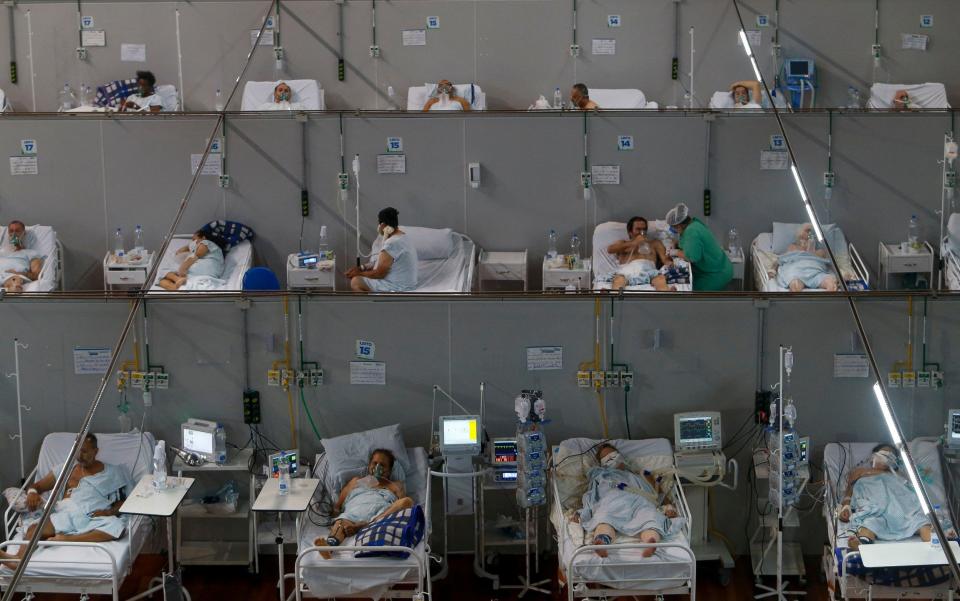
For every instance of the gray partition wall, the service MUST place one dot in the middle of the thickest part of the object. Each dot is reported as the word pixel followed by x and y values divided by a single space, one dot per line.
pixel 516 50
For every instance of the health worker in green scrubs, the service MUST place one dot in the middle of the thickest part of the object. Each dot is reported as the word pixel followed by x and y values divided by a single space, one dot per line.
pixel 711 268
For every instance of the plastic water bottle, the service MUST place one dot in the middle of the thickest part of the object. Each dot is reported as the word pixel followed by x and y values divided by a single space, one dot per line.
pixel 552 245
pixel 934 537
pixel 733 242
pixel 575 249
pixel 557 99
pixel 221 442
pixel 118 244
pixel 86 95
pixel 854 95
pixel 913 234
pixel 283 477
pixel 138 240
pixel 218 101
pixel 67 99
pixel 392 95
pixel 322 250
pixel 160 465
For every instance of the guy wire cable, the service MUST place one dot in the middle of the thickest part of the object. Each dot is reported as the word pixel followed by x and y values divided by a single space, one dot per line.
pixel 879 386
pixel 61 481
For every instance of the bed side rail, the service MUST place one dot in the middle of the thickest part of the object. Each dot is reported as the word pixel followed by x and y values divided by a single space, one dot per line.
pixel 10 517
pixel 96 547
pixel 691 579
pixel 859 266
pixel 421 564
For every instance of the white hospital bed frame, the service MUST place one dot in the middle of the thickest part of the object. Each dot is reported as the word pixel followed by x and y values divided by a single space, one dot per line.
pixel 582 587
pixel 761 278
pixel 852 587
pixel 950 267
pixel 422 583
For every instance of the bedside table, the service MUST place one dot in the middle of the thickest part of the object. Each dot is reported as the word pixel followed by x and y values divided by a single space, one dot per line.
pixel 561 277
pixel 503 266
pixel 126 273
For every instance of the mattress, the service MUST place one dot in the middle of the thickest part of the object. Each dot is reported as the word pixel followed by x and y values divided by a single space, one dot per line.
pixel 417 95
pixel 668 568
pixel 236 263
pixel 44 239
pixel 344 574
pixel 305 91
pixel 923 95
pixel 626 98
pixel 764 263
pixel 604 263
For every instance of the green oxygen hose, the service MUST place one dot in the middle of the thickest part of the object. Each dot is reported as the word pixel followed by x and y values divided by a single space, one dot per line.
pixel 309 415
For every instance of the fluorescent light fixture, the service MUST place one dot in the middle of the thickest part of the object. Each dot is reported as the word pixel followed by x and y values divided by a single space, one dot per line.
pixel 796 178
pixel 813 221
pixel 911 473
pixel 746 44
pixel 887 417
pixel 756 70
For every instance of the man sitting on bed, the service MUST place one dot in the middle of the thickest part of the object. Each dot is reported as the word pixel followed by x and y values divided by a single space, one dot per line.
pixel 618 500
pixel 18 264
pixel 639 257
pixel 804 265
pixel 88 511
pixel 880 503
pixel 395 268
pixel 365 500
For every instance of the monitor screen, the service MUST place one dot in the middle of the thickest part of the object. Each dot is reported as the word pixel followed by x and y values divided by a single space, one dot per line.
pixel 460 431
pixel 505 451
pixel 696 429
pixel 799 68
pixel 197 441
pixel 955 425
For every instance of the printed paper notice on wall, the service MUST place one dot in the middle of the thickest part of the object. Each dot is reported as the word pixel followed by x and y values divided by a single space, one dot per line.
pixel 265 40
pixel 90 361
pixel 542 358
pixel 366 349
pixel 133 53
pixel 914 41
pixel 24 166
pixel 606 175
pixel 391 164
pixel 848 365
pixel 93 37
pixel 414 37
pixel 604 46
pixel 212 166
pixel 774 160
pixel 754 36
pixel 369 373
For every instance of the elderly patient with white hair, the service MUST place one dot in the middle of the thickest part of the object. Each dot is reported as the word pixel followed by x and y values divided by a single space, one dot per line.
pixel 805 265
pixel 19 265
pixel 619 501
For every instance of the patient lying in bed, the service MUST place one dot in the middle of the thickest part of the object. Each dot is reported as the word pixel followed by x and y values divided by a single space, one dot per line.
pixel 18 264
pixel 282 100
pixel 88 511
pixel 202 261
pixel 618 500
pixel 365 500
pixel 880 503
pixel 804 265
pixel 638 257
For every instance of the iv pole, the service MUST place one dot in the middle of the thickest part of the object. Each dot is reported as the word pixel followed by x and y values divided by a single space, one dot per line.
pixel 17 345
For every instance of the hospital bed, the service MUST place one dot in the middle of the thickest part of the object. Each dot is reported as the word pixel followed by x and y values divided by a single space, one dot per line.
pixel 627 98
pixel 417 95
pixel 82 568
pixel 604 263
pixel 722 100
pixel 951 265
pixel 44 239
pixel 4 103
pixel 672 570
pixel 346 576
pixel 307 92
pixel 838 460
pixel 922 95
pixel 768 246
pixel 446 260
pixel 169 99
pixel 236 263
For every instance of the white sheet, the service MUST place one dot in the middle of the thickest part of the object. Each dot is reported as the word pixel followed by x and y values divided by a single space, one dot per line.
pixel 236 264
pixel 951 266
pixel 417 95
pixel 371 575
pixel 305 91
pixel 44 239
pixel 452 274
pixel 922 95
pixel 626 98
pixel 169 97
pixel 4 106
pixel 761 251
pixel 82 562
pixel 647 573
pixel 604 263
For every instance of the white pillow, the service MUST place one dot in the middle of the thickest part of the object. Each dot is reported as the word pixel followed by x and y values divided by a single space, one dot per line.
pixel 431 243
pixel 348 454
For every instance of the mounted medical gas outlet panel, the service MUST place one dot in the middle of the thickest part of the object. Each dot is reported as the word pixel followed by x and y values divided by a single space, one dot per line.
pixel 574 50
pixel 875 51
pixel 950 178
pixel 286 377
pixel 162 380
pixel 224 181
pixel 936 379
pixel 316 377
pixel 923 379
pixel 893 379
pixel 829 179
pixel 273 377
pixel 81 53
pixel 374 51
pixel 586 179
pixel 597 378
pixel 626 379
pixel 136 379
pixel 583 379
pixel 611 379
pixel 301 378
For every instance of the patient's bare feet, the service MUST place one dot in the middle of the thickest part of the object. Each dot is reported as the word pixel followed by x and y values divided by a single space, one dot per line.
pixel 649 538
pixel 670 511
pixel 322 542
pixel 9 564
pixel 601 539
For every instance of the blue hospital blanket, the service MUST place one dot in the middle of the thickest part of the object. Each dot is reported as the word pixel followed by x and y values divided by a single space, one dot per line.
pixel 365 503
pixel 111 94
pixel 94 493
pixel 800 265
pixel 886 505
pixel 622 499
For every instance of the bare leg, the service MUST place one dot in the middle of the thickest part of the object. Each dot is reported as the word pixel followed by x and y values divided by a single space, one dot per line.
pixel 796 286
pixel 659 284
pixel 47 532
pixel 340 530
pixel 649 536
pixel 829 284
pixel 357 284
pixel 171 281
pixel 619 282
pixel 600 531
pixel 854 541
pixel 926 533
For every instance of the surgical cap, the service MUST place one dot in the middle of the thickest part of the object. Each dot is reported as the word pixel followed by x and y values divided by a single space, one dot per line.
pixel 678 214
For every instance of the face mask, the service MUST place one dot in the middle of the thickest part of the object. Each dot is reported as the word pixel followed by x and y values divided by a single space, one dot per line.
pixel 284 97
pixel 885 459
pixel 378 472
pixel 673 230
pixel 16 240
pixel 445 89
pixel 192 246
pixel 611 460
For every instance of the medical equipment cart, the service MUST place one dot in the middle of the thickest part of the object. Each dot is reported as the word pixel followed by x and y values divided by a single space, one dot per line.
pixel 894 264
pixel 562 278
pixel 497 267
pixel 212 551
pixel 699 474
pixel 126 273
pixel 764 536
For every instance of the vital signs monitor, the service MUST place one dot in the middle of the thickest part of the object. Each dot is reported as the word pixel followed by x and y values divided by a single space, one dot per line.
pixel 460 435
pixel 697 430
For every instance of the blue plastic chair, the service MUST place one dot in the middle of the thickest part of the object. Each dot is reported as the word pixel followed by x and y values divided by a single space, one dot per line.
pixel 260 279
